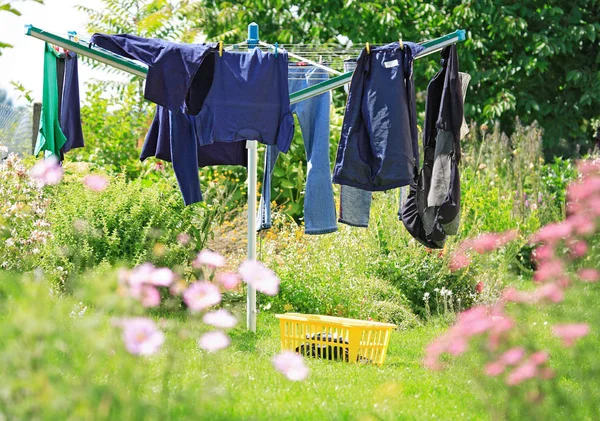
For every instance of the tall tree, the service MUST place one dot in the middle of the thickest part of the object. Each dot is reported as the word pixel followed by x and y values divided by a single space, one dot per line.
pixel 536 60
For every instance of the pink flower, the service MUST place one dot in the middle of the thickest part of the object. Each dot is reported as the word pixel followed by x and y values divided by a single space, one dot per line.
pixel 551 291
pixel 141 274
pixel 259 277
pixel 546 373
pixel 484 243
pixel 291 365
pixel 513 356
pixel 473 321
pixel 539 357
pixel 494 369
pixel 582 224
pixel 543 252
pixel 458 260
pixel 47 171
pixel 525 371
pixel 209 258
pixel 214 341
pixel 457 345
pixel 95 182
pixel 161 277
pixel 589 275
pixel 579 248
pixel 150 296
pixel 141 336
pixel 552 233
pixel 588 166
pixel 201 295
pixel 228 280
pixel 220 318
pixel 570 332
pixel 479 287
pixel 184 238
pixel 548 269
pixel 516 296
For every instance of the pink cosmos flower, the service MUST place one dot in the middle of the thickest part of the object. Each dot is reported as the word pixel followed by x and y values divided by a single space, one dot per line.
pixel 546 373
pixel 458 260
pixel 161 277
pixel 570 332
pixel 214 341
pixel 201 295
pixel 539 357
pixel 291 365
pixel 543 252
pixel 141 274
pixel 95 182
pixel 525 371
pixel 582 224
pixel 485 243
pixel 209 258
pixel 589 275
pixel 551 291
pixel 259 277
pixel 513 356
pixel 150 296
pixel 588 166
pixel 47 172
pixel 229 280
pixel 184 238
pixel 516 296
pixel 552 233
pixel 457 345
pixel 578 249
pixel 548 269
pixel 495 368
pixel 220 318
pixel 479 287
pixel 141 336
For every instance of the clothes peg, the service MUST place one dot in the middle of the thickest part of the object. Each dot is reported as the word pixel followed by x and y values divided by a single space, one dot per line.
pixel 368 48
pixel 401 44
pixel 220 48
pixel 276 48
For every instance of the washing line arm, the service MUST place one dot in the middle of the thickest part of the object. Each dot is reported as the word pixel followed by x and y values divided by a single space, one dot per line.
pixel 83 49
pixel 135 68
pixel 431 47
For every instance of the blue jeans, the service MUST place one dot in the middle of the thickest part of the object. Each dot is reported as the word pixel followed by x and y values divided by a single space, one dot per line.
pixel 313 116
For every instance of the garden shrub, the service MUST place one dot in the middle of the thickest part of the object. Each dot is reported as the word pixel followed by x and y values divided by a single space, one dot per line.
pixel 24 227
pixel 126 223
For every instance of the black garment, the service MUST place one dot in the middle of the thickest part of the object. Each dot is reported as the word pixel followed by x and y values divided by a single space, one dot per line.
pixel 69 104
pixel 329 352
pixel 432 208
pixel 378 147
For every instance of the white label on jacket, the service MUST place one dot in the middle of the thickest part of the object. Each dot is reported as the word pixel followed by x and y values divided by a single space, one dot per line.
pixel 389 64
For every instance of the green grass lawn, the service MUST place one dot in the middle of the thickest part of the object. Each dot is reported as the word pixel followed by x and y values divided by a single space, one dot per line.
pixel 240 383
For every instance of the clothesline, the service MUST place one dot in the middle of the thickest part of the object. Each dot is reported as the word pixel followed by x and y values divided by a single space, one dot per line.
pixel 133 67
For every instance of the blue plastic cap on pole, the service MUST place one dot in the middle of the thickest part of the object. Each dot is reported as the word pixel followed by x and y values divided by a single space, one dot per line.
pixel 253 34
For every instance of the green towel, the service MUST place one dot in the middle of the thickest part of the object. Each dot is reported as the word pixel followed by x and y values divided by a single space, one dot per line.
pixel 51 137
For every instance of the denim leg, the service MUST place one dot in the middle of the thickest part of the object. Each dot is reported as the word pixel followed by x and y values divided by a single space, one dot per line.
pixel 355 206
pixel 313 116
pixel 263 216
pixel 319 207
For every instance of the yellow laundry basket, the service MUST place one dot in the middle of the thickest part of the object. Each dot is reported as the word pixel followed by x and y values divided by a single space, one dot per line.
pixel 335 338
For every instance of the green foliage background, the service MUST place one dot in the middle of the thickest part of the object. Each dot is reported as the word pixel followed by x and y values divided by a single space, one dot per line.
pixel 536 60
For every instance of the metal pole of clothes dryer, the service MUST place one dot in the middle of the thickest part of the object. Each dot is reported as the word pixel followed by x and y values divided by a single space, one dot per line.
pixel 253 42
